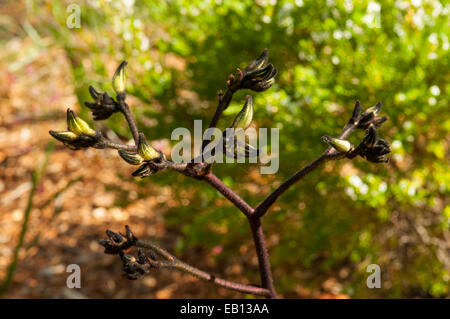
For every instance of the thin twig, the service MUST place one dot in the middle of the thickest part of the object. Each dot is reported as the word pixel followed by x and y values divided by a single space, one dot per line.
pixel 248 289
pixel 117 243
pixel 229 194
pixel 328 155
pixel 263 207
pixel 119 146
pixel 257 231
pixel 224 102
pixel 265 271
pixel 125 110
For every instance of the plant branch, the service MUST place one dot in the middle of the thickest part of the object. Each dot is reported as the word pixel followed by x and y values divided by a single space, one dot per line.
pixel 328 155
pixel 125 110
pixel 137 267
pixel 224 102
pixel 118 146
pixel 186 268
pixel 263 257
pixel 257 231
pixel 264 206
pixel 228 193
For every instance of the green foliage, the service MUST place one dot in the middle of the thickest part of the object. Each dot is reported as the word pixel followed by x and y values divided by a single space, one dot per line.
pixel 329 54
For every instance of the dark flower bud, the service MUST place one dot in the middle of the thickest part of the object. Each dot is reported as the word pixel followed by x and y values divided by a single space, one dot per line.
pixel 356 112
pixel 142 258
pixel 115 237
pixel 370 116
pixel 259 63
pixel 379 120
pixel 117 242
pixel 377 158
pixel 258 76
pixel 129 234
pixel 371 137
pixel 103 106
pixel 374 149
pixel 127 258
pixel 259 80
pixel 144 171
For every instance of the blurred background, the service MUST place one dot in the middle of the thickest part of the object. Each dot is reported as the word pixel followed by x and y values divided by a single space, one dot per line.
pixel 55 204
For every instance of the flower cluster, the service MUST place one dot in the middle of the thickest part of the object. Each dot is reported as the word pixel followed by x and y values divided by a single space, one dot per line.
pixel 370 116
pixel 78 135
pixel 133 267
pixel 372 148
pixel 103 106
pixel 117 242
pixel 258 76
pixel 150 158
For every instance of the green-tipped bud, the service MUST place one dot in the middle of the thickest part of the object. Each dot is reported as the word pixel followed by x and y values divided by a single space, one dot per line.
pixel 119 80
pixel 131 158
pixel 65 136
pixel 147 152
pixel 77 125
pixel 338 144
pixel 245 116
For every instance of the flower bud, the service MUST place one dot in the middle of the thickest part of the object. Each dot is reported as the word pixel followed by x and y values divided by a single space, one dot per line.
pixel 374 109
pixel 65 136
pixel 131 158
pixel 259 80
pixel 103 106
pixel 78 126
pixel 245 116
pixel 119 79
pixel 143 171
pixel 260 62
pixel 370 116
pixel 338 144
pixel 371 137
pixel 147 151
